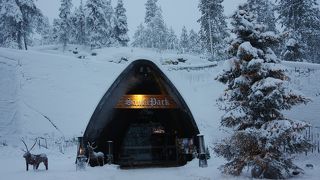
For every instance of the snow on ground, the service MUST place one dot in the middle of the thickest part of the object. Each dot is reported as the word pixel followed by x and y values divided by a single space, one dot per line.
pixel 48 93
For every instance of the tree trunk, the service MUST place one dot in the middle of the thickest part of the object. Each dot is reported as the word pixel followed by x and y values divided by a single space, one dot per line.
pixel 19 36
pixel 25 41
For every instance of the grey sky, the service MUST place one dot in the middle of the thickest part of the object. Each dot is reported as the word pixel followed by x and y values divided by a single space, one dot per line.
pixel 176 13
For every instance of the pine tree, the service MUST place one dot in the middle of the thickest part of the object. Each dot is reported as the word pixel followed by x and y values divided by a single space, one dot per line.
pixel 256 93
pixel 121 29
pixel 19 19
pixel 213 26
pixel 10 21
pixel 96 22
pixel 29 13
pixel 184 40
pixel 65 24
pixel 264 10
pixel 301 21
pixel 151 9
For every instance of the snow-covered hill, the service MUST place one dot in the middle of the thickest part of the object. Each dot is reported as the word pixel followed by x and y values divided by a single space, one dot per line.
pixel 48 93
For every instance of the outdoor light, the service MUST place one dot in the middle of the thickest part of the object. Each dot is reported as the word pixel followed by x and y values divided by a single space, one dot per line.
pixel 202 152
pixel 110 152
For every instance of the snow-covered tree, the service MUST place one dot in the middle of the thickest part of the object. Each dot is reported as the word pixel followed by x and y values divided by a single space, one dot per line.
pixel 96 22
pixel 10 21
pixel 194 42
pixel 184 40
pixel 65 23
pixel 265 12
pixel 111 22
pixel 55 30
pixel 121 28
pixel 78 21
pixel 139 37
pixel 30 15
pixel 151 9
pixel 18 22
pixel 263 138
pixel 154 34
pixel 45 30
pixel 157 31
pixel 172 40
pixel 213 26
pixel 301 21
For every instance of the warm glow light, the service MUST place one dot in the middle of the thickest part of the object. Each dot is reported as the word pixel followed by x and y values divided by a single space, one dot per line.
pixel 140 101
pixel 138 98
pixel 81 151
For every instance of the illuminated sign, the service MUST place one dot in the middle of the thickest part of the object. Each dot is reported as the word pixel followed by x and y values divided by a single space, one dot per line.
pixel 139 101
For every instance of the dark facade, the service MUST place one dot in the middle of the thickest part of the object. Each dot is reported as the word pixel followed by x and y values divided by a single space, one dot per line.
pixel 145 117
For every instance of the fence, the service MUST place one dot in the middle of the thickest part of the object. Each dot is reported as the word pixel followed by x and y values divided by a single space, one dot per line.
pixel 61 143
pixel 313 135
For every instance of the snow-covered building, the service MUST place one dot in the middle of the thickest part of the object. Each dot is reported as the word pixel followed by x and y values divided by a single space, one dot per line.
pixel 145 117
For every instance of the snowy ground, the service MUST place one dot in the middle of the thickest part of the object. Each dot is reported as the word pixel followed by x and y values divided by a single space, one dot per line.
pixel 48 93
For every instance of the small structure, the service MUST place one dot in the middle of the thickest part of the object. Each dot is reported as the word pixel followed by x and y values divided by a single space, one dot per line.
pixel 145 118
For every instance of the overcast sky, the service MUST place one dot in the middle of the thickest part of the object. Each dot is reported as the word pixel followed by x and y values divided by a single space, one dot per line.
pixel 176 13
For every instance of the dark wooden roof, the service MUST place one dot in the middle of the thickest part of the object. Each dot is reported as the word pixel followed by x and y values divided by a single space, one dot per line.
pixel 128 83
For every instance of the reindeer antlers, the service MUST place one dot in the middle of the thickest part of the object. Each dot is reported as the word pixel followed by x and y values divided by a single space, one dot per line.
pixel 27 146
pixel 91 145
pixel 34 144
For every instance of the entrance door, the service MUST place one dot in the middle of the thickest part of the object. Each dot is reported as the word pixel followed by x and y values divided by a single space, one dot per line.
pixel 146 143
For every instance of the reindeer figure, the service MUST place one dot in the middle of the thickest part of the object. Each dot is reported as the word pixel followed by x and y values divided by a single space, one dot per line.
pixel 33 159
pixel 95 157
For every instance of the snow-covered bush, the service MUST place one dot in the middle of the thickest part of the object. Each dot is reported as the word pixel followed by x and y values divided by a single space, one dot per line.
pixel 256 93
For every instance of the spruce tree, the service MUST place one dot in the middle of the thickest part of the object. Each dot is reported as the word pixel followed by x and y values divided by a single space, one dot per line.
pixel 184 40
pixel 172 40
pixel 194 42
pixel 301 21
pixel 65 23
pixel 151 8
pixel 110 26
pixel 139 37
pixel 78 21
pixel 121 28
pixel 45 30
pixel 157 31
pixel 55 30
pixel 263 139
pixel 264 10
pixel 213 26
pixel 97 29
